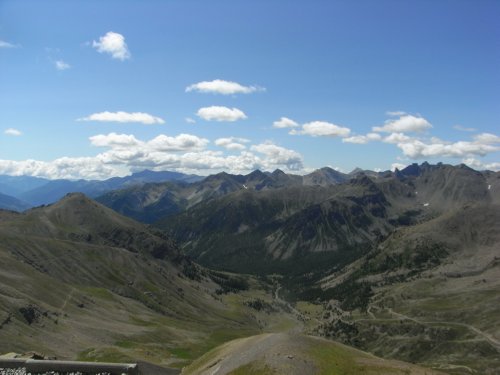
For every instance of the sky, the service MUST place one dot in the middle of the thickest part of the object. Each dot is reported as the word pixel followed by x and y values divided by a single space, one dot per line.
pixel 94 89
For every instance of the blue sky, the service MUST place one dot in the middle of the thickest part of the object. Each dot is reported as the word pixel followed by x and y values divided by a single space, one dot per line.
pixel 93 89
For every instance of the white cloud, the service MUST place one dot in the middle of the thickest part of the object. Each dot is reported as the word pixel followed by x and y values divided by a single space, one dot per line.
pixel 277 155
pixel 161 143
pixel 219 86
pixel 184 153
pixel 322 129
pixel 405 123
pixel 190 120
pixel 487 138
pixel 61 65
pixel 4 44
pixel 285 122
pixel 437 140
pixel 113 44
pixel 232 143
pixel 479 165
pixel 182 142
pixel 217 113
pixel 120 116
pixel 12 131
pixel 67 168
pixel 362 139
pixel 464 129
pixel 396 138
pixel 114 140
pixel 417 149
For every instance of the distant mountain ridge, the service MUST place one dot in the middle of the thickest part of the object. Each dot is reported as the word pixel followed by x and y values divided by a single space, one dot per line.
pixel 10 203
pixel 152 202
pixel 36 191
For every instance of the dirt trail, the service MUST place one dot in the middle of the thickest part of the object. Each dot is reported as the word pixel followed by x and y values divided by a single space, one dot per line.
pixel 68 298
pixel 494 342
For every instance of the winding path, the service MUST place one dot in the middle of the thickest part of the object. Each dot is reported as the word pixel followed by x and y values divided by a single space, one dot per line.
pixel 486 336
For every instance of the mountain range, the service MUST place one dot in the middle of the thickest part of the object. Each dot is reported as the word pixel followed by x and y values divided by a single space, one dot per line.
pixel 403 264
pixel 35 191
pixel 351 243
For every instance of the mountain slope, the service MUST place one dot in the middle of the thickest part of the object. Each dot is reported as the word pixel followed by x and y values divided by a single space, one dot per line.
pixel 108 297
pixel 434 293
pixel 79 281
pixel 247 231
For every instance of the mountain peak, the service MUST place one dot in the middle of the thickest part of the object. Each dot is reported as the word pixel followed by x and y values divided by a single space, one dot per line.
pixel 278 172
pixel 256 174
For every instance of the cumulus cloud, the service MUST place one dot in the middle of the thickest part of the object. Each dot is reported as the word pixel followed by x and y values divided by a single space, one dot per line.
pixel 13 132
pixel 219 86
pixel 162 143
pixel 285 122
pixel 417 149
pixel 277 155
pixel 67 168
pixel 481 145
pixel 144 118
pixel 232 143
pixel 184 153
pixel 479 165
pixel 187 153
pixel 61 65
pixel 362 139
pixel 114 140
pixel 190 120
pixel 396 138
pixel 487 138
pixel 217 113
pixel 113 44
pixel 182 142
pixel 322 129
pixel 405 123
